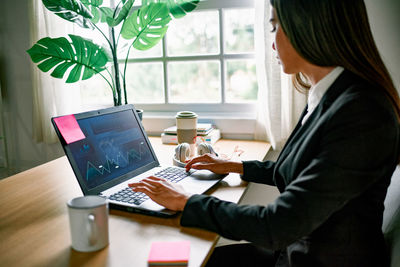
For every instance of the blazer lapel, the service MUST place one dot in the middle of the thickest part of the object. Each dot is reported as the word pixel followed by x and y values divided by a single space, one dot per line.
pixel 286 147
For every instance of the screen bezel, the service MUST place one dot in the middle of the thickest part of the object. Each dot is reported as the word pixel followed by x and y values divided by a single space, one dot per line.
pixel 100 188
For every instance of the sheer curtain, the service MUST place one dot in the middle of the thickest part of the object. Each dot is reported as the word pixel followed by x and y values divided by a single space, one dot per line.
pixel 279 105
pixel 51 97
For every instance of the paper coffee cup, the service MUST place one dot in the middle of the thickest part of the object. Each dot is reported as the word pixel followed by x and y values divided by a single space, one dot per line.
pixel 186 127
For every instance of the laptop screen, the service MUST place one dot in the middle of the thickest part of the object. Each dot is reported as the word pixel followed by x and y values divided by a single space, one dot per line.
pixel 115 148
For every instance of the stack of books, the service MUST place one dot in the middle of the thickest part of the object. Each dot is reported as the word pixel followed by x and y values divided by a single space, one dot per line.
pixel 205 131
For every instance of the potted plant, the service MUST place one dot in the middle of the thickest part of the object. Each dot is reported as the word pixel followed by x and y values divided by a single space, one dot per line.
pixel 81 58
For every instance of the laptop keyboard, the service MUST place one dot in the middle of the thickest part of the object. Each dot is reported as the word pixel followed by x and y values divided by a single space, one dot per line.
pixel 171 174
pixel 128 196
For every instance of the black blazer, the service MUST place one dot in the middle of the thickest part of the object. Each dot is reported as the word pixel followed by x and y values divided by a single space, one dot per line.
pixel 333 174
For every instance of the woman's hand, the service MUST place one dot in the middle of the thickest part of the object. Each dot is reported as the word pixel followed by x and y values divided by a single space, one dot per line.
pixel 214 164
pixel 170 195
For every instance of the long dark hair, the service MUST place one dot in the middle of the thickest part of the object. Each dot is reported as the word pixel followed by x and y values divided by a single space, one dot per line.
pixel 335 33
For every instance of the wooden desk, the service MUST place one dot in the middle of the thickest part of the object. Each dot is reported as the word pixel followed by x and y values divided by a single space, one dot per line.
pixel 34 227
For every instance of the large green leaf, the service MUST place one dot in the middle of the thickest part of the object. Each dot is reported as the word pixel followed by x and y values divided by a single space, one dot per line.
pixel 147 25
pixel 71 10
pixel 178 8
pixel 106 13
pixel 121 13
pixel 80 54
pixel 94 7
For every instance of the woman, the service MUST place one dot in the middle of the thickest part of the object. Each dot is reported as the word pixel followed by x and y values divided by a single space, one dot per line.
pixel 335 168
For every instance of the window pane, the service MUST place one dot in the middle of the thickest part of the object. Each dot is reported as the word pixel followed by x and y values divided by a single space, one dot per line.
pixel 194 82
pixel 197 33
pixel 241 83
pixel 144 82
pixel 239 30
pixel 96 91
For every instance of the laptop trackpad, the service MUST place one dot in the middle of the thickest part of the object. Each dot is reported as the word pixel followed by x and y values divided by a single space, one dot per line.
pixel 206 175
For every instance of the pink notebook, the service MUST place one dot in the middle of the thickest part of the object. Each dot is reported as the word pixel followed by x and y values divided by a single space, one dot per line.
pixel 169 253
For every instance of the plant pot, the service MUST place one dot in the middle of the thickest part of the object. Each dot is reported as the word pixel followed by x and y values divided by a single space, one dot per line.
pixel 140 113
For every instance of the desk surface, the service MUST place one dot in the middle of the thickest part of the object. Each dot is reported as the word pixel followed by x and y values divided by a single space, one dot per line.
pixel 34 229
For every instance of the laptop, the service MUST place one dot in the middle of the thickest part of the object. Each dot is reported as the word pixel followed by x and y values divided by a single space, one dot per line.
pixel 114 150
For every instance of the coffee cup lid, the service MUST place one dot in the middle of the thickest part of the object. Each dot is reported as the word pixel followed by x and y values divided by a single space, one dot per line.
pixel 186 115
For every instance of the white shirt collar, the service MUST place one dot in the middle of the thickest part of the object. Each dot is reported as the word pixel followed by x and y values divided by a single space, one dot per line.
pixel 318 90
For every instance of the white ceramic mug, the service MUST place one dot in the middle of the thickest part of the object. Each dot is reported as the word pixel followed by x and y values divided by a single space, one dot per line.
pixel 88 220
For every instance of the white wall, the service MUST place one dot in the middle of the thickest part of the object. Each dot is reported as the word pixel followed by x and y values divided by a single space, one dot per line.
pixel 384 18
pixel 15 75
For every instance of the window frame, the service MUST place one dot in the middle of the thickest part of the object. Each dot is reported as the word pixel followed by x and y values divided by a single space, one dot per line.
pixel 222 109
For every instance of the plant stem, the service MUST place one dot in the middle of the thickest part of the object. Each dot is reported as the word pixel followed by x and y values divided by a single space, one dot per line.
pixel 105 37
pixel 112 78
pixel 124 75
pixel 126 63
pixel 116 68
pixel 113 51
pixel 113 87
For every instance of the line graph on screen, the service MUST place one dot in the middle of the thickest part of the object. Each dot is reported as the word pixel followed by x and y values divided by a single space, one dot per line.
pixel 114 161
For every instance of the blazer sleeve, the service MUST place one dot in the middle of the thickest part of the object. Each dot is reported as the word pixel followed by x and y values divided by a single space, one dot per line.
pixel 357 148
pixel 258 172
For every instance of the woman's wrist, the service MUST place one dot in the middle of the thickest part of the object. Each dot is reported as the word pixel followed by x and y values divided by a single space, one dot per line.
pixel 183 201
pixel 237 167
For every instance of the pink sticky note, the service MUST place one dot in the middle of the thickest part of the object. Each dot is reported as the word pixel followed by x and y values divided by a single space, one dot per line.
pixel 69 128
pixel 176 253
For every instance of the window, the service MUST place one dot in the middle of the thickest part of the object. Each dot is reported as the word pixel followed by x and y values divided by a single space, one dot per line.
pixel 204 63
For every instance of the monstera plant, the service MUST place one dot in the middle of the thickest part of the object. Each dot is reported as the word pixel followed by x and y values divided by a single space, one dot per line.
pixel 80 59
